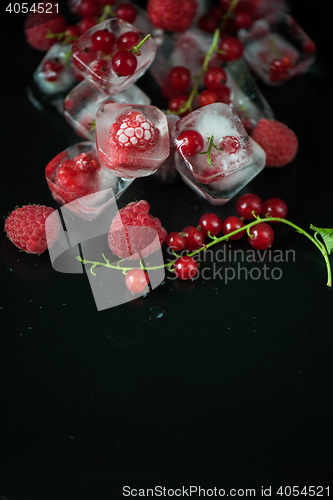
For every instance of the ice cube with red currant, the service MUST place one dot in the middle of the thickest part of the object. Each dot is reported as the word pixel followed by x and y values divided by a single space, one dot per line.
pixel 75 177
pixel 83 101
pixel 213 142
pixel 277 48
pixel 112 55
pixel 54 74
pixel 132 140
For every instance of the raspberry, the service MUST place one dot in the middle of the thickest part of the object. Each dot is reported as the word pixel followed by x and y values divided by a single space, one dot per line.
pixel 25 228
pixel 133 130
pixel 37 26
pixel 172 15
pixel 277 140
pixel 133 232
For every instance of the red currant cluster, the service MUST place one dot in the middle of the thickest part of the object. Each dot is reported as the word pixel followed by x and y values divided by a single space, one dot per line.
pixel 248 206
pixel 242 16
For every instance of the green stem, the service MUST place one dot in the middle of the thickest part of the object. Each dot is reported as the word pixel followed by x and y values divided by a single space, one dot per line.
pixel 216 240
pixel 137 47
pixel 188 105
pixel 108 12
pixel 228 14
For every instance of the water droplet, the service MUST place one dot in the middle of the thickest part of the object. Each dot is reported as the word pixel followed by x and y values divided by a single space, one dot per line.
pixel 157 312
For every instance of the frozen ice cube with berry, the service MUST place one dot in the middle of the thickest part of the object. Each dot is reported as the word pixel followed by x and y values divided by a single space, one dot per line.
pixel 277 48
pixel 213 142
pixel 53 77
pixel 75 176
pixel 112 55
pixel 132 140
pixel 83 101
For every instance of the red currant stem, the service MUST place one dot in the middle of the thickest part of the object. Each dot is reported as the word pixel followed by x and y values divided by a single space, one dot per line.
pixel 228 14
pixel 211 145
pixel 216 240
pixel 93 125
pixel 137 47
pixel 68 54
pixel 51 35
pixel 107 12
pixel 188 104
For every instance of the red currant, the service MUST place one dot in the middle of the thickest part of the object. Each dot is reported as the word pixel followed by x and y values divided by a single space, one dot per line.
pixel 100 71
pixel 176 103
pixel 126 12
pixel 175 241
pixel 103 40
pixel 232 48
pixel 190 142
pixel 136 280
pixel 279 68
pixel 194 239
pixel 247 204
pixel 229 144
pixel 85 24
pixel 179 78
pixel 207 97
pixel 186 268
pixel 223 94
pixel 72 33
pixel 124 63
pixel 128 40
pixel 214 78
pixel 52 69
pixel 262 236
pixel 89 8
pixel 241 20
pixel 274 207
pixel 210 223
pixel 83 57
pixel 208 23
pixel 231 224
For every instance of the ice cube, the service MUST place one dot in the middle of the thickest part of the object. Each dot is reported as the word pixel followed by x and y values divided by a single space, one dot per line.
pixel 75 177
pixel 53 78
pixel 132 141
pixel 186 49
pixel 220 192
pixel 96 66
pixel 167 172
pixel 83 101
pixel 277 48
pixel 213 142
pixel 245 97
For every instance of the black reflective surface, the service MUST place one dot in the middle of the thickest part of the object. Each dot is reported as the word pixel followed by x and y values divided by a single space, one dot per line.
pixel 206 383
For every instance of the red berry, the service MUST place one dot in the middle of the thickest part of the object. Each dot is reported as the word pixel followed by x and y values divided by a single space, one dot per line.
pixel 179 78
pixel 277 140
pixel 85 24
pixel 51 69
pixel 194 239
pixel 247 204
pixel 88 8
pixel 100 71
pixel 124 63
pixel 186 268
pixel 126 12
pixel 103 40
pixel 133 232
pixel 210 223
pixel 231 224
pixel 242 20
pixel 232 48
pixel 176 103
pixel 229 144
pixel 274 207
pixel 175 241
pixel 262 236
pixel 279 68
pixel 189 142
pixel 215 78
pixel 85 163
pixel 25 228
pixel 72 33
pixel 128 40
pixel 223 94
pixel 38 25
pixel 172 15
pixel 207 97
pixel 136 280
pixel 208 22
pixel 83 56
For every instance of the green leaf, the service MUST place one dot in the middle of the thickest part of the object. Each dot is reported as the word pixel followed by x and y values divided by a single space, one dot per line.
pixel 326 234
